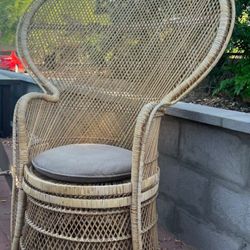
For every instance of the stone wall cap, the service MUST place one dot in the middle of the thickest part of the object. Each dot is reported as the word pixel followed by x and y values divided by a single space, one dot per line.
pixel 229 119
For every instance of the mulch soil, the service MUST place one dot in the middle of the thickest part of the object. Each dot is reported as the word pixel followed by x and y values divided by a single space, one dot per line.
pixel 202 96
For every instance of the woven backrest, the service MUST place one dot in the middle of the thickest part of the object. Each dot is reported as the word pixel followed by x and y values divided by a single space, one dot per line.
pixel 108 58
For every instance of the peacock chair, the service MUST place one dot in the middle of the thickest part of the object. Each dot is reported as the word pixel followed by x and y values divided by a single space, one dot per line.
pixel 85 166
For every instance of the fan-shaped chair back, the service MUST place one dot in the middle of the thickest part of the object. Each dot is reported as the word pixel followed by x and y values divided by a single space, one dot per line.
pixel 107 58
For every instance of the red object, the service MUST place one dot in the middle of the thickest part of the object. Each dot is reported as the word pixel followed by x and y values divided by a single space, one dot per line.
pixel 9 60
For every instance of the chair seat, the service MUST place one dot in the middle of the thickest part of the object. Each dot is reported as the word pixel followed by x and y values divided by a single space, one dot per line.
pixel 85 163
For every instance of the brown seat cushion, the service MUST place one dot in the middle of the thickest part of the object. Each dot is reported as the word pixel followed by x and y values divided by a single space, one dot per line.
pixel 85 163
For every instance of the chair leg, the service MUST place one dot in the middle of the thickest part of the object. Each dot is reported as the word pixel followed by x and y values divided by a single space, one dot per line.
pixel 19 220
pixel 136 228
pixel 13 200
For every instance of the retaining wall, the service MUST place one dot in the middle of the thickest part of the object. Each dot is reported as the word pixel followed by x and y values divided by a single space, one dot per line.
pixel 205 176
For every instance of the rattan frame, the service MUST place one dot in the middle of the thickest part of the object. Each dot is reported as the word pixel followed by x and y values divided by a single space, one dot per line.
pixel 146 129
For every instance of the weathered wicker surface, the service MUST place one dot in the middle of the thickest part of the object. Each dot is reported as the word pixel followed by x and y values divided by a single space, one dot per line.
pixel 54 227
pixel 106 68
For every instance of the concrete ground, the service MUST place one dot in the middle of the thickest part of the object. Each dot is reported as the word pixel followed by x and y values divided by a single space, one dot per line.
pixel 5 199
pixel 167 240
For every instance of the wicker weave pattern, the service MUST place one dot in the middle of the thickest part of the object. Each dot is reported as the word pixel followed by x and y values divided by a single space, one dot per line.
pixel 74 226
pixel 107 68
pixel 39 241
pixel 116 61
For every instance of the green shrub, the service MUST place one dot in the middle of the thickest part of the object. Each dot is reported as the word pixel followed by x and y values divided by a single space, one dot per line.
pixel 239 84
pixel 234 68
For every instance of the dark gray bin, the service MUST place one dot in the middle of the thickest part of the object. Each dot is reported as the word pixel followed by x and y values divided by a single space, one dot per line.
pixel 12 87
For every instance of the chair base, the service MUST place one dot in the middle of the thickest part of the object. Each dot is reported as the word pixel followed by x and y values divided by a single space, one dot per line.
pixel 52 226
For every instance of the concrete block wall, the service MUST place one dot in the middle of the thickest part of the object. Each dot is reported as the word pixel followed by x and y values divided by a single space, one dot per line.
pixel 204 194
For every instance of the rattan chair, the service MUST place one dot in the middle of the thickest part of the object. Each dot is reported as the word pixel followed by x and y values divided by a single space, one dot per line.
pixel 108 69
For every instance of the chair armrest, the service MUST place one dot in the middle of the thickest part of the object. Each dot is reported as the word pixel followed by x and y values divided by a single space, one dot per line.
pixel 22 128
pixel 144 161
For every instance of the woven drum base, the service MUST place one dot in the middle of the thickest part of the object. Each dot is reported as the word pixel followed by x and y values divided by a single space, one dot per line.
pixel 53 227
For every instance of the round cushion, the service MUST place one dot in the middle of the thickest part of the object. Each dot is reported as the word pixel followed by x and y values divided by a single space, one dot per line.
pixel 85 163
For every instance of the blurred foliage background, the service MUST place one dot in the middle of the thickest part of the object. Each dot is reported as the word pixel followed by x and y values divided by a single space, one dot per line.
pixel 10 11
pixel 231 77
